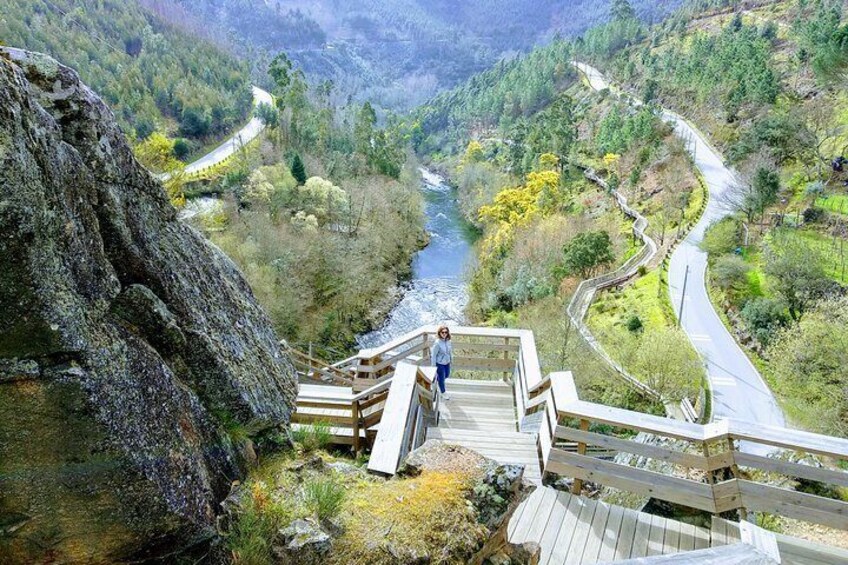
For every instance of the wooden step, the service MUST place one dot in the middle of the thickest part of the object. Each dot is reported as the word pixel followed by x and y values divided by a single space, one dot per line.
pixel 480 426
pixel 497 387
pixel 471 434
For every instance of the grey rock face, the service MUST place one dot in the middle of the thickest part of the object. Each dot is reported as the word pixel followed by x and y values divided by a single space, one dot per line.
pixel 303 542
pixel 127 341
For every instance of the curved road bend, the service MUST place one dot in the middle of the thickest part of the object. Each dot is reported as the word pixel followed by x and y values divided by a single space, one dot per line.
pixel 738 389
pixel 253 128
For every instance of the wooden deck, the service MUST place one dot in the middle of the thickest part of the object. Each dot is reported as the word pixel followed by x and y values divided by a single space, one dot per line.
pixel 480 415
pixel 573 529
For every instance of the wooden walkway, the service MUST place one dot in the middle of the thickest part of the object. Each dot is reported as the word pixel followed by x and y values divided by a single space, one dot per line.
pixel 480 415
pixel 573 529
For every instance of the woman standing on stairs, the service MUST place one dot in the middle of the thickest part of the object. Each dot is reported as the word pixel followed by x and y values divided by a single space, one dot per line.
pixel 442 353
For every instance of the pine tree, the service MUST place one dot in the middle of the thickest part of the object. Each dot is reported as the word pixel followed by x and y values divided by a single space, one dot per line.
pixel 298 170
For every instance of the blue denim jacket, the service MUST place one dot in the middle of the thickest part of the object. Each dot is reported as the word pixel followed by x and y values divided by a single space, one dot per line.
pixel 442 352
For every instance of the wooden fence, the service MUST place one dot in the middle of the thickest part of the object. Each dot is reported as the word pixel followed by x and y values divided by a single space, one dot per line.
pixel 711 473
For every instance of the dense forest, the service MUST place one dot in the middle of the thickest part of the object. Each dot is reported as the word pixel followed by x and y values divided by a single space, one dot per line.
pixel 395 54
pixel 153 76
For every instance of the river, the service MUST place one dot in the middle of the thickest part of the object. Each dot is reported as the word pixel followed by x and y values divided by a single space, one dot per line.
pixel 438 291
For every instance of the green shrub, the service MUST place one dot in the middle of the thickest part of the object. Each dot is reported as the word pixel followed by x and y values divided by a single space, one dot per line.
pixel 764 317
pixel 730 272
pixel 313 437
pixel 634 324
pixel 323 497
pixel 722 237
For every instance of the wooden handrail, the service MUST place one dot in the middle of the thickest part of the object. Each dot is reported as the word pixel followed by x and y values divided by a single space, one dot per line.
pixel 400 430
pixel 713 454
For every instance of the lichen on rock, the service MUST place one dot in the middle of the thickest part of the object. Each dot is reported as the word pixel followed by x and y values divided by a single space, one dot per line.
pixel 124 336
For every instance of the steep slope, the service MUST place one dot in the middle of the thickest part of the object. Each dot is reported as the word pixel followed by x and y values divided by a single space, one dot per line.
pixel 129 346
pixel 396 52
pixel 151 74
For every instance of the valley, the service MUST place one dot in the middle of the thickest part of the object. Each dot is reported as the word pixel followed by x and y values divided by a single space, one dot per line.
pixel 233 229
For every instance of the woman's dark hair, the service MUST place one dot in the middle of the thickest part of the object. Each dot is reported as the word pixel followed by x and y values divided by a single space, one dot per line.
pixel 445 329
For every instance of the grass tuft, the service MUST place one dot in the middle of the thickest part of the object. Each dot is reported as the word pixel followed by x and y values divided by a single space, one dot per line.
pixel 324 497
pixel 313 437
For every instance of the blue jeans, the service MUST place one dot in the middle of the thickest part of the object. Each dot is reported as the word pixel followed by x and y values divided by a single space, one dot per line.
pixel 442 373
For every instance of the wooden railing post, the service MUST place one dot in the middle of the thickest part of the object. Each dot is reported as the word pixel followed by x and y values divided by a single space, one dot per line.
pixel 706 448
pixel 577 486
pixel 354 409
pixel 506 356
pixel 309 370
pixel 734 470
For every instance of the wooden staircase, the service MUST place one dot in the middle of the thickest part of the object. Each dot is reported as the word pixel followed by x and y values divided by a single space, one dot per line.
pixel 480 415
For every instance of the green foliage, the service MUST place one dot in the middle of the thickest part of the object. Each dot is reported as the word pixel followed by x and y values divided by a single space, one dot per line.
pixel 730 273
pixel 587 252
pixel 500 96
pixel 808 365
pixel 254 531
pixel 783 133
pixel 733 68
pixel 823 40
pixel 298 170
pixel 798 274
pixel 634 324
pixel 146 70
pixel 764 318
pixel 269 114
pixel 664 360
pixel 603 41
pixel 323 497
pixel 722 237
pixel 312 437
pixel 181 149
pixel 620 128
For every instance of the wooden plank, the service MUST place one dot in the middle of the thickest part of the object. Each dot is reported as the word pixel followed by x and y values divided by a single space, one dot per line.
pixel 793 504
pixel 633 420
pixel 795 550
pixel 385 454
pixel 581 532
pixel 534 505
pixel 505 347
pixel 545 443
pixel 626 533
pixel 727 496
pixel 641 536
pixel 638 481
pixel 651 451
pixel 558 515
pixel 718 532
pixel 611 534
pixel 702 538
pixel 566 530
pixel 671 543
pixel 482 364
pixel 563 389
pixel 516 516
pixel 787 468
pixel 543 515
pixel 595 535
pixel 530 361
pixel 686 541
pixel 795 440
pixel 656 536
pixel 764 541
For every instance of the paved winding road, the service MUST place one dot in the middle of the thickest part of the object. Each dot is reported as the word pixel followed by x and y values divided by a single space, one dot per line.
pixel 253 128
pixel 738 389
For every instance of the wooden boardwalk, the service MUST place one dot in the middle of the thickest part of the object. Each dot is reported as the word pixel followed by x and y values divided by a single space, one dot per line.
pixel 480 415
pixel 574 529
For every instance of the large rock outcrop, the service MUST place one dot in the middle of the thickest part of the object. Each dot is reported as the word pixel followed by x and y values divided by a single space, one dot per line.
pixel 129 346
